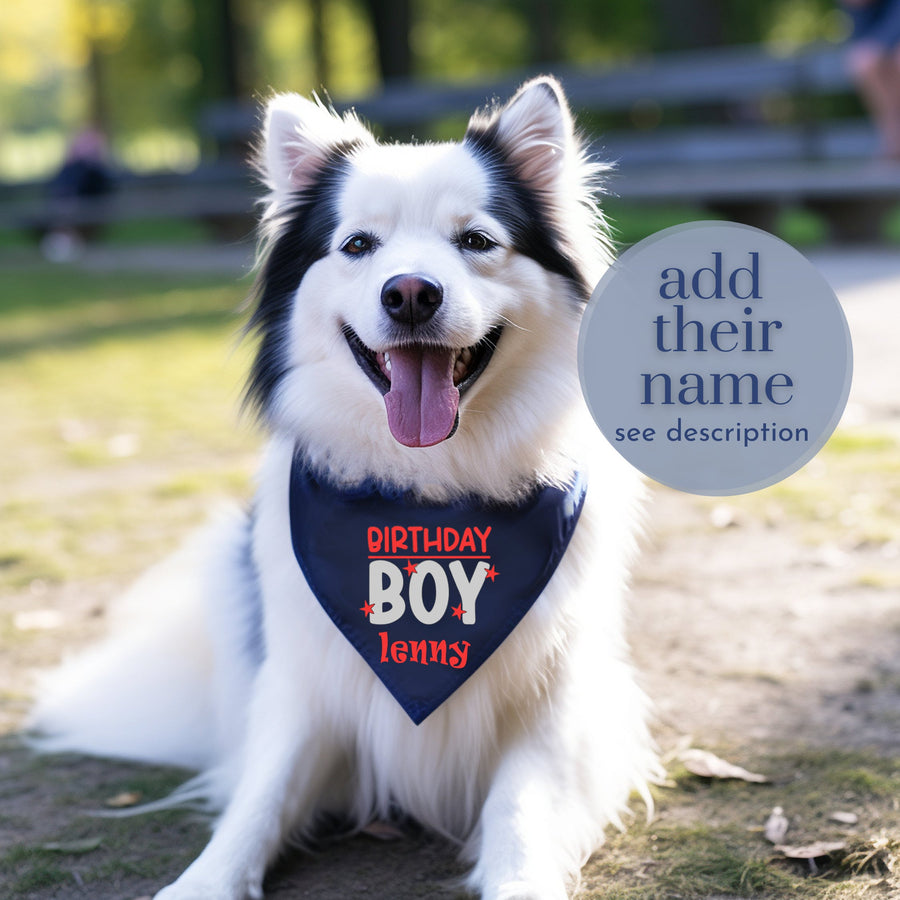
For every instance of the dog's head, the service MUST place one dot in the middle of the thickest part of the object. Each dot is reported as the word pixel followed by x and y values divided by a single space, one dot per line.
pixel 406 289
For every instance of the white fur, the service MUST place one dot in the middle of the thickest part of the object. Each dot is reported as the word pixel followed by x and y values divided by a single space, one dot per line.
pixel 537 752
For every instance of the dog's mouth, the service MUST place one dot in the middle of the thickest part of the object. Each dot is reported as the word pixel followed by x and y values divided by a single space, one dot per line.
pixel 422 384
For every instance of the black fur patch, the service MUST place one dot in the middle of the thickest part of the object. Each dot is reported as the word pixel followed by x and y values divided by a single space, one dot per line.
pixel 303 239
pixel 520 209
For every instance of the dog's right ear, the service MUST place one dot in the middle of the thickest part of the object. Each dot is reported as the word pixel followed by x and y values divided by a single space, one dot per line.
pixel 300 136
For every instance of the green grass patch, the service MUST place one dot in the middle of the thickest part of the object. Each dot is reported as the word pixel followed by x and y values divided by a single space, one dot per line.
pixel 707 837
pixel 61 843
pixel 801 227
pixel 879 579
pixel 157 231
pixel 861 440
pixel 848 495
pixel 892 226
pixel 39 875
pixel 119 396
pixel 103 852
pixel 632 222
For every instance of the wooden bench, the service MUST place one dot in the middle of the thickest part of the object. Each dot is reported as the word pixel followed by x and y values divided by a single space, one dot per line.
pixel 219 195
pixel 737 130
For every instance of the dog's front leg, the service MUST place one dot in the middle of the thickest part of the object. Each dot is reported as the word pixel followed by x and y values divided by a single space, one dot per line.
pixel 531 835
pixel 281 769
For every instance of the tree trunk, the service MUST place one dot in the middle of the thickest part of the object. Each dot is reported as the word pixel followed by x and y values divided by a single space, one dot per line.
pixel 321 73
pixel 543 16
pixel 392 23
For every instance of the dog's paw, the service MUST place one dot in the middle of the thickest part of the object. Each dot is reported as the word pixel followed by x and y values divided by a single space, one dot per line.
pixel 528 890
pixel 189 887
pixel 522 890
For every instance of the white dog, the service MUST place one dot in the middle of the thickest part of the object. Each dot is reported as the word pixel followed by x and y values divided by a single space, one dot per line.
pixel 417 312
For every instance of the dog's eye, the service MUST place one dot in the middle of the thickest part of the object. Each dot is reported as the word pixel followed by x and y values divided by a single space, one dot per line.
pixel 358 244
pixel 476 241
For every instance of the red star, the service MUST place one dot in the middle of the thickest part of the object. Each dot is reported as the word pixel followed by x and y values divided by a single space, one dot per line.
pixel 458 611
pixel 368 608
pixel 410 567
pixel 491 573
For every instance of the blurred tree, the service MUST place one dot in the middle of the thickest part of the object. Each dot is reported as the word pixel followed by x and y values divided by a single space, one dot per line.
pixel 147 68
pixel 217 40
pixel 100 25
pixel 321 70
pixel 392 26
pixel 689 24
pixel 544 21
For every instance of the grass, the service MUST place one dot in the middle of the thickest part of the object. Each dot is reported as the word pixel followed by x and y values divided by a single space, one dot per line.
pixel 849 494
pixel 706 839
pixel 119 398
pixel 116 392
pixel 132 233
pixel 61 847
pixel 632 223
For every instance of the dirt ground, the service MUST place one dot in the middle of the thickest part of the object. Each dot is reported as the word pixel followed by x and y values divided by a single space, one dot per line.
pixel 746 630
pixel 747 634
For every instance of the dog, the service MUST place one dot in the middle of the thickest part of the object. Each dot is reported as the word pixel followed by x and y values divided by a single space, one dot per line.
pixel 416 315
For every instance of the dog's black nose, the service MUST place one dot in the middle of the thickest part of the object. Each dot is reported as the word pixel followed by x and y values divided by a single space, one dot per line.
pixel 411 299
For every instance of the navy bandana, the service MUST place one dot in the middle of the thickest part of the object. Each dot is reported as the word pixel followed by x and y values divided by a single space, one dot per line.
pixel 424 592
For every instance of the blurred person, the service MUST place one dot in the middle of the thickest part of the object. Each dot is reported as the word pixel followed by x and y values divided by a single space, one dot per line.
pixel 874 61
pixel 86 173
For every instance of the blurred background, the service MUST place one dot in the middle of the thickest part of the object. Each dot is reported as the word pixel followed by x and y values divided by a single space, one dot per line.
pixel 147 72
pixel 162 95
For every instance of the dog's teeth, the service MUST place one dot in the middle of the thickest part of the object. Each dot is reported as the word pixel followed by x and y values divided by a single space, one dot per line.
pixel 387 362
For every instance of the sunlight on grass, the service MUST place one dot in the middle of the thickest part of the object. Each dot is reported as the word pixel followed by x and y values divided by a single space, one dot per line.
pixel 848 495
pixel 113 392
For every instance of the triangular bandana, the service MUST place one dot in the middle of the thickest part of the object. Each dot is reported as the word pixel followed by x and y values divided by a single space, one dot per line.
pixel 426 593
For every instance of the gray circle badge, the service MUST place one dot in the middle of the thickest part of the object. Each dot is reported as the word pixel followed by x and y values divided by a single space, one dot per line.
pixel 715 358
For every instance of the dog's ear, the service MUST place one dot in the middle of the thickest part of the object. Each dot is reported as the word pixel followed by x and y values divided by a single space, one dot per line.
pixel 534 131
pixel 299 136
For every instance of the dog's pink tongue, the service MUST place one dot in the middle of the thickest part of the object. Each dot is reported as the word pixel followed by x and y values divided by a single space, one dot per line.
pixel 422 402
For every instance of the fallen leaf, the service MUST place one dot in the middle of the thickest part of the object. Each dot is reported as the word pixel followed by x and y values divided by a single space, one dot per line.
pixel 811 851
pixel 683 743
pixel 708 765
pixel 776 826
pixel 124 799
pixel 383 831
pixel 844 818
pixel 86 845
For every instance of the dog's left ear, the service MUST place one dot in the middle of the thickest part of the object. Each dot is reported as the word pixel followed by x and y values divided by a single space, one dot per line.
pixel 534 132
pixel 299 137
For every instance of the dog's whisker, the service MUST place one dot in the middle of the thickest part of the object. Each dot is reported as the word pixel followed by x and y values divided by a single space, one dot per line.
pixel 507 321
